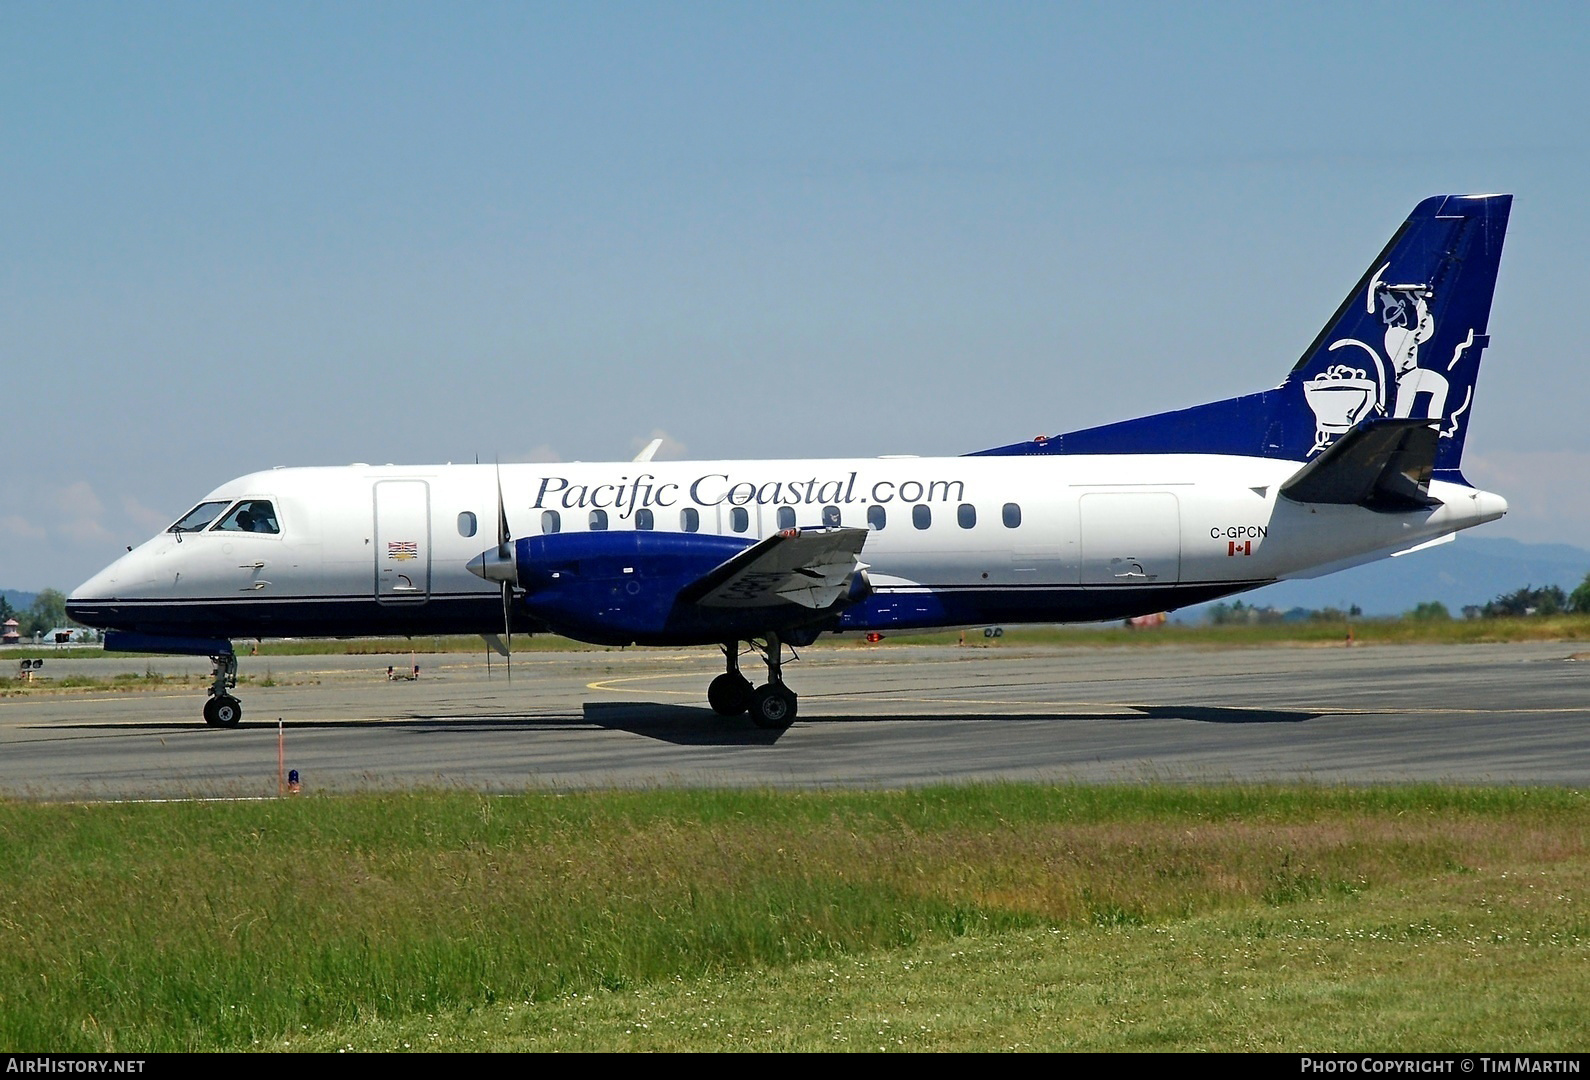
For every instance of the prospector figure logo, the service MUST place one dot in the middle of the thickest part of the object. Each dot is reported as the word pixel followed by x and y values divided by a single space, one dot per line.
pixel 1342 395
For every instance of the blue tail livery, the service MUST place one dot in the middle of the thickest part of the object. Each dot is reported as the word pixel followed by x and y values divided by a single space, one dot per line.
pixel 1406 342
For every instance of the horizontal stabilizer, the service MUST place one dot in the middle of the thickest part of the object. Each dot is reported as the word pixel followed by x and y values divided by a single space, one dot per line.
pixel 1381 464
pixel 811 568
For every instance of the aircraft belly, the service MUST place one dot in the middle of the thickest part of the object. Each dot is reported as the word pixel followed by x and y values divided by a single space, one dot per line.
pixel 979 605
pixel 304 616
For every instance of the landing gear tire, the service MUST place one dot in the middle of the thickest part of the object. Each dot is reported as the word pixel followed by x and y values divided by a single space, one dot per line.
pixel 729 694
pixel 773 707
pixel 223 711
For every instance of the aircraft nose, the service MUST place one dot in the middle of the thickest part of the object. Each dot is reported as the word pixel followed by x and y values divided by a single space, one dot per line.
pixel 99 587
pixel 496 564
pixel 87 603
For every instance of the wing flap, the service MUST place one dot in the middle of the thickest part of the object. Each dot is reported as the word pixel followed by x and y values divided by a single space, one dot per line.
pixel 811 568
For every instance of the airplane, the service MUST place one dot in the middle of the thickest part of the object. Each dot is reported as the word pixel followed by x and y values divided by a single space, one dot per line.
pixel 1354 456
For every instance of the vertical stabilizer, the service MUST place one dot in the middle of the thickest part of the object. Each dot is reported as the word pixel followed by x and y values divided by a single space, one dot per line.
pixel 1406 343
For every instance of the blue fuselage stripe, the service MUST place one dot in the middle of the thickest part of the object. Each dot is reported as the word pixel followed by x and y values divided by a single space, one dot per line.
pixel 481 613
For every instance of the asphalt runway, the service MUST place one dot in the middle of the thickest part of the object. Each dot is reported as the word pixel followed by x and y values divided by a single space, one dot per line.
pixel 888 716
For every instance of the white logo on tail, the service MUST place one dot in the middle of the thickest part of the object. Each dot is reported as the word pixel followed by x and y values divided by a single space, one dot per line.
pixel 1342 395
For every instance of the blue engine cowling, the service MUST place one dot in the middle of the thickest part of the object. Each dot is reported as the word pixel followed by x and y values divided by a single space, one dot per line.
pixel 621 588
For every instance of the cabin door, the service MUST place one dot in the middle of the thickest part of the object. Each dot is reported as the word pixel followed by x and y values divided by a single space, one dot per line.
pixel 1131 538
pixel 402 540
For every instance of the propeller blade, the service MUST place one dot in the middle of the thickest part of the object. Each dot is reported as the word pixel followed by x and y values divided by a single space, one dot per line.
pixel 502 513
pixel 507 623
pixel 504 552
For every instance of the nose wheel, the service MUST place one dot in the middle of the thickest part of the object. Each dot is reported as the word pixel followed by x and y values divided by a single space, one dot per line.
pixel 223 710
pixel 771 705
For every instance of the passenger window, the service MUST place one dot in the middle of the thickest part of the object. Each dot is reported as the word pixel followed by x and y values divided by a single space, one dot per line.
pixel 689 519
pixel 966 514
pixel 739 519
pixel 198 517
pixel 251 516
pixel 921 516
pixel 1011 515
pixel 644 520
pixel 786 517
pixel 551 522
pixel 466 524
pixel 598 520
pixel 876 517
pixel 831 517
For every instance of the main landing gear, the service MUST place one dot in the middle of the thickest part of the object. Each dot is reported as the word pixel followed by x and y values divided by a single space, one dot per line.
pixel 771 705
pixel 223 710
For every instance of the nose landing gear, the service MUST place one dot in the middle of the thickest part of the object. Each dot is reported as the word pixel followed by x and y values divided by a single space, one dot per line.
pixel 223 710
pixel 772 705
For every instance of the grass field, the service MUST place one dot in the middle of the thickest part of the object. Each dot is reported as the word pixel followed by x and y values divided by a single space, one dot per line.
pixel 970 918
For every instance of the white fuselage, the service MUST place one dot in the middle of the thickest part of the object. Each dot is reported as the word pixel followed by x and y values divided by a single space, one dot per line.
pixel 953 541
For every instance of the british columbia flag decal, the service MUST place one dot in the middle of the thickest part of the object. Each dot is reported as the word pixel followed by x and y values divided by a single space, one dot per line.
pixel 402 550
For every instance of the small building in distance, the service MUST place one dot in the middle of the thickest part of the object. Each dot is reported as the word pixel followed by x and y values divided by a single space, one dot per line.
pixel 12 633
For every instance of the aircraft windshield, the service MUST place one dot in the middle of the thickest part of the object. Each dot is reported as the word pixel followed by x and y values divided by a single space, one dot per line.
pixel 250 515
pixel 198 517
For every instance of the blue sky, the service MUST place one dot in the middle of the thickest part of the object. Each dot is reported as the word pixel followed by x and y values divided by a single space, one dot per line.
pixel 237 236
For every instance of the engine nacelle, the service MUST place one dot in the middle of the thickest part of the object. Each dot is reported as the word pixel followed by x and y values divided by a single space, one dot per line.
pixel 618 588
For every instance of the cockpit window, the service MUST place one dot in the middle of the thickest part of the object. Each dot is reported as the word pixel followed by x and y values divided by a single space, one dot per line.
pixel 250 515
pixel 198 517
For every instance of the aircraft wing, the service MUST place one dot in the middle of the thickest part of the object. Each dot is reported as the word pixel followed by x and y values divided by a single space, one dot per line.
pixel 808 567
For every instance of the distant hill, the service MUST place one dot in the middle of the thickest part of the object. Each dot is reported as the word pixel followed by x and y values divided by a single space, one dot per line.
pixel 1469 570
pixel 21 601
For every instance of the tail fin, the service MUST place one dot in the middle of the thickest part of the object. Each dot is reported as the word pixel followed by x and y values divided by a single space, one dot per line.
pixel 1405 343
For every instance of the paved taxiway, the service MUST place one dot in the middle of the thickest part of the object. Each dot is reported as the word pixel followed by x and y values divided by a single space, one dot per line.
pixel 889 716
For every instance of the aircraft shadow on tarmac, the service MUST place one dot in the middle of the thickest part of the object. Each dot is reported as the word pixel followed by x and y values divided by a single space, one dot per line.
pixel 694 725
pixel 1214 714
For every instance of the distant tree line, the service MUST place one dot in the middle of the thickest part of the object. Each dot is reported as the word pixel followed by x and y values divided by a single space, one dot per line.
pixel 1520 603
pixel 46 613
pixel 1240 614
pixel 1547 600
